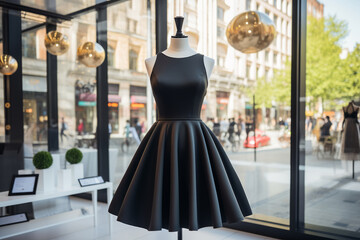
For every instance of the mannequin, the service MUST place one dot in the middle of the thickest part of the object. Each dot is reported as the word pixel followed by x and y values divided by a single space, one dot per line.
pixel 180 176
pixel 350 139
pixel 179 48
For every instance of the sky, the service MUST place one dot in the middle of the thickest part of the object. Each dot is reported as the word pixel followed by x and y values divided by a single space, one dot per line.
pixel 347 10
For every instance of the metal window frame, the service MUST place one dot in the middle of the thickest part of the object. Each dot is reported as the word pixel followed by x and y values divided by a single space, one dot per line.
pixel 297 228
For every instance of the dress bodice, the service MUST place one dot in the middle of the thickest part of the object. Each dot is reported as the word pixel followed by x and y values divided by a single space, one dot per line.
pixel 353 114
pixel 179 86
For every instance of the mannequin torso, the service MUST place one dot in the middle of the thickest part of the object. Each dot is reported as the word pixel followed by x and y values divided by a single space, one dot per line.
pixel 180 48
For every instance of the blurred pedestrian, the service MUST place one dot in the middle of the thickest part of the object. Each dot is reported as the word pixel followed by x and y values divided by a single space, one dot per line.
pixel 248 126
pixel 231 129
pixel 210 123
pixel 325 129
pixel 63 128
pixel 216 129
pixel 138 128
pixel 80 127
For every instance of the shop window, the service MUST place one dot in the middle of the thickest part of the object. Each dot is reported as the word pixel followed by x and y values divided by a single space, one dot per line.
pixel 29 45
pixel 220 13
pixel 111 56
pixel 266 56
pixel 275 58
pixel 186 16
pixel 133 59
pixel 267 74
pixel 137 106
pixel 284 6
pixel 248 71
pixel 222 101
pixel 275 20
pixel 220 61
pixel 113 105
pixel 131 25
pixel 220 32
pixel 248 4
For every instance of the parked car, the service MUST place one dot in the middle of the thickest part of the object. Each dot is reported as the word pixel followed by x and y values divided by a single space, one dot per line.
pixel 261 139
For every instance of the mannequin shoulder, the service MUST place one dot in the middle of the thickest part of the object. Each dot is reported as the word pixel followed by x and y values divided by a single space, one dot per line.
pixel 209 65
pixel 149 63
pixel 209 61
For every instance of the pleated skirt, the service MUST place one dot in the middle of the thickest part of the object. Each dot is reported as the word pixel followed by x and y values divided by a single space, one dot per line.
pixel 180 177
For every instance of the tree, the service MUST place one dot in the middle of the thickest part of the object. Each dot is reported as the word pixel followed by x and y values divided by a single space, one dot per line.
pixel 324 67
pixel 325 70
pixel 351 82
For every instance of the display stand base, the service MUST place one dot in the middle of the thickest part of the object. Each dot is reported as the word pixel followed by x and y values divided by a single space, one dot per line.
pixel 353 172
pixel 180 234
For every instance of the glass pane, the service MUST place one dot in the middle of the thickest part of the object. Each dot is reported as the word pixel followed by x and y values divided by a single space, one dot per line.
pixel 77 94
pixel 128 39
pixel 34 89
pixel 61 7
pixel 261 158
pixel 332 103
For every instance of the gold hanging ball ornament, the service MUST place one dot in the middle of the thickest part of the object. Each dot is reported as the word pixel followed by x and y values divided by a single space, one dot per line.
pixel 91 54
pixel 8 64
pixel 250 32
pixel 56 43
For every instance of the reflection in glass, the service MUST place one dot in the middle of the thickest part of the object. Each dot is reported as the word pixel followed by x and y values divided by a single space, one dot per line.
pixel 332 131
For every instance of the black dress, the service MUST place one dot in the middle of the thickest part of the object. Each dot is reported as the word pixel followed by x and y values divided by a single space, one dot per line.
pixel 180 176
pixel 350 141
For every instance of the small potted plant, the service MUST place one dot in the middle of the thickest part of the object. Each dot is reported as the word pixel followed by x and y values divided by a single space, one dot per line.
pixel 74 157
pixel 42 162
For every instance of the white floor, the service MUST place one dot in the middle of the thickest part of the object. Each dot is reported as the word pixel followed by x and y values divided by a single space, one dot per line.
pixel 79 230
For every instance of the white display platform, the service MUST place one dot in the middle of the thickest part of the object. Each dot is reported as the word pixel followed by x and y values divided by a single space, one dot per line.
pixel 36 224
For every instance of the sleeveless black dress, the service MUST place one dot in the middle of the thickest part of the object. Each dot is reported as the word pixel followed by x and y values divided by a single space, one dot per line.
pixel 180 176
pixel 350 141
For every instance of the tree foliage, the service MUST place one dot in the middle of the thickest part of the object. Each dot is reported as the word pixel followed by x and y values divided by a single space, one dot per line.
pixel 351 80
pixel 328 77
pixel 324 67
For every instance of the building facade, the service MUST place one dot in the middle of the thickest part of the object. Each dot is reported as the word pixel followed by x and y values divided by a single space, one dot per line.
pixel 205 24
pixel 127 76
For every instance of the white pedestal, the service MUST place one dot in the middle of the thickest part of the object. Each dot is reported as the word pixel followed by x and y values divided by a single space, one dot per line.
pixel 55 166
pixel 77 171
pixel 46 181
pixel 64 178
pixel 25 171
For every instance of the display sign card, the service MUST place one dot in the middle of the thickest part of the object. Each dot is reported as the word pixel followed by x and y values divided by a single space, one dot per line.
pixel 23 184
pixel 12 219
pixel 91 181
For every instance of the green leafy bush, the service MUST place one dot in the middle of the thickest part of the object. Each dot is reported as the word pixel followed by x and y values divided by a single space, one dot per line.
pixel 42 160
pixel 73 155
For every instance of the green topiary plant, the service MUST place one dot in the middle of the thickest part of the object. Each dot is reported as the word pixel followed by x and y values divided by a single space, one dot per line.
pixel 74 156
pixel 42 160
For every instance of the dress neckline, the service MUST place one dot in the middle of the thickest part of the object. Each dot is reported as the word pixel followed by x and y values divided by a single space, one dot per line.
pixel 181 57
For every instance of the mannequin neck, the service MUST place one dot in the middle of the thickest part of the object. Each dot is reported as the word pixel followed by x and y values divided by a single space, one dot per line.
pixel 179 47
pixel 179 44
